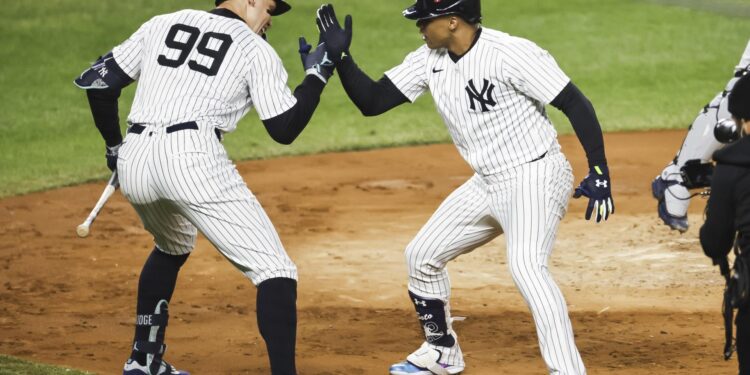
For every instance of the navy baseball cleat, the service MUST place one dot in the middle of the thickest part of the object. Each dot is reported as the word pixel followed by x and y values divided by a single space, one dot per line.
pixel 132 367
pixel 658 189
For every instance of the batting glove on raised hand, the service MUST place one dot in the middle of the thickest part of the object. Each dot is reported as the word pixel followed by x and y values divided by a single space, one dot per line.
pixel 316 62
pixel 336 39
pixel 598 188
pixel 111 155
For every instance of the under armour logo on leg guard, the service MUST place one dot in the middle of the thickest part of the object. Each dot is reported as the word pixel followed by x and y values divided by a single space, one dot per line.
pixel 433 318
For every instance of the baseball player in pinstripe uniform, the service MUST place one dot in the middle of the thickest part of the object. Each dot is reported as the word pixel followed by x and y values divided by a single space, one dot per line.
pixel 491 90
pixel 199 73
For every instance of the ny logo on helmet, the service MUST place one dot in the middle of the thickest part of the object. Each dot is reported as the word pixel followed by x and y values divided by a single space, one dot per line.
pixel 484 97
pixel 601 183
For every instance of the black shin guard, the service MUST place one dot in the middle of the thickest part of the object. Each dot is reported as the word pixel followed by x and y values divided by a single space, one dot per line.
pixel 156 284
pixel 434 320
pixel 277 322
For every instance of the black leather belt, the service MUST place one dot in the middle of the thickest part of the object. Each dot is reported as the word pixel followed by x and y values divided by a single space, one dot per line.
pixel 138 128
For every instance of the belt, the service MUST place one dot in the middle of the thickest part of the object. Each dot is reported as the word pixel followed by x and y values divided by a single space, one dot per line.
pixel 138 128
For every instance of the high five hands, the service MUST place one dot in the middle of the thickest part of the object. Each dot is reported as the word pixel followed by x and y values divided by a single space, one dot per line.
pixel 337 40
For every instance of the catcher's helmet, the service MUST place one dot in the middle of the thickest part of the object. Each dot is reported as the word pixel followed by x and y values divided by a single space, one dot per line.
pixel 281 7
pixel 469 10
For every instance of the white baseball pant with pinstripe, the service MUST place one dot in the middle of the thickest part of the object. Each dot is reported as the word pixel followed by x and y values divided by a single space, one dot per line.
pixel 182 182
pixel 526 203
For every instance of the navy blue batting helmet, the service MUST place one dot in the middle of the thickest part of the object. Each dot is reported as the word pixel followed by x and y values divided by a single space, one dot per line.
pixel 281 7
pixel 469 10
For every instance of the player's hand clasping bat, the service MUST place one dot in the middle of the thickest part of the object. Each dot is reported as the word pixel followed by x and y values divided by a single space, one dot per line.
pixel 112 185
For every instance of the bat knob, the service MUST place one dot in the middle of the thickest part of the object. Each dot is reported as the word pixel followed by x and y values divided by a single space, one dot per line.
pixel 82 230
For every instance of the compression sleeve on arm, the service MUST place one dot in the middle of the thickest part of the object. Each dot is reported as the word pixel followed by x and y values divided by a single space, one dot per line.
pixel 582 116
pixel 104 108
pixel 372 98
pixel 285 127
pixel 103 83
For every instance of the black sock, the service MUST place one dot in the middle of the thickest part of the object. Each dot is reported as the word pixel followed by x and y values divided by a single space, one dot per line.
pixel 157 282
pixel 277 322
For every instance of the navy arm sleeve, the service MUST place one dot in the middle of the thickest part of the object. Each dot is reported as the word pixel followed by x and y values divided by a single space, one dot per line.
pixel 717 233
pixel 103 83
pixel 582 116
pixel 372 98
pixel 285 127
pixel 104 108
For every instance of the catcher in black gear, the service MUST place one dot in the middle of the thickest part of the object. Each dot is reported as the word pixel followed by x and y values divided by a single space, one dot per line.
pixel 728 222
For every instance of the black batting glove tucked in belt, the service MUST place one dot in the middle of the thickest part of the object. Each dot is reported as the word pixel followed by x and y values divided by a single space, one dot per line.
pixel 316 62
pixel 111 155
pixel 336 39
pixel 597 187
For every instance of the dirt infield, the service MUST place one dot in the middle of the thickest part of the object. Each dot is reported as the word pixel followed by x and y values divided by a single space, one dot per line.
pixel 643 300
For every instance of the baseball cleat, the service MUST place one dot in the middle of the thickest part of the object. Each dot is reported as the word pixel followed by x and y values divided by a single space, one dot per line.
pixel 425 361
pixel 658 189
pixel 678 223
pixel 407 368
pixel 132 367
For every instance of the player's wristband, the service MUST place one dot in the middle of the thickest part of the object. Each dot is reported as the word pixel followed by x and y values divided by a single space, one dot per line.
pixel 314 72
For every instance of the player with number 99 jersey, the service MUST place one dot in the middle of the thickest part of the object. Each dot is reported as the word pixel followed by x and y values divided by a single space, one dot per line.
pixel 198 74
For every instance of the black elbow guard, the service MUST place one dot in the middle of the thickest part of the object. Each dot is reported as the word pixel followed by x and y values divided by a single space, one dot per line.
pixel 103 74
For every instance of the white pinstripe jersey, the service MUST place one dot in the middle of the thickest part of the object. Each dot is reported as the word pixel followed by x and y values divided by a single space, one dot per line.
pixel 492 100
pixel 196 66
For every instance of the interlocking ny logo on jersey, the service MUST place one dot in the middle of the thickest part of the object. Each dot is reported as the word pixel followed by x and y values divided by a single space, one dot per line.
pixel 484 97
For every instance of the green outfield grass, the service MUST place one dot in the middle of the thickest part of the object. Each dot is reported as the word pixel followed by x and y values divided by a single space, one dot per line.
pixel 644 65
pixel 732 8
pixel 15 366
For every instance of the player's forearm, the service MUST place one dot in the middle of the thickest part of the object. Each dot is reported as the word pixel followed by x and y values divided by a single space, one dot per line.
pixel 285 127
pixel 371 98
pixel 103 83
pixel 582 116
pixel 104 109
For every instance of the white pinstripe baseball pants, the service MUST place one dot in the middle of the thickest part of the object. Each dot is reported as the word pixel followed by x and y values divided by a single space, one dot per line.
pixel 527 203
pixel 182 182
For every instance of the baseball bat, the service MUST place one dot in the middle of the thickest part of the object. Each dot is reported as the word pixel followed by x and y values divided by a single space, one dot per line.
pixel 84 229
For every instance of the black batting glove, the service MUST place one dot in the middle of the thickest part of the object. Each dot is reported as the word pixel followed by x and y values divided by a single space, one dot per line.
pixel 336 39
pixel 597 186
pixel 111 155
pixel 316 62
